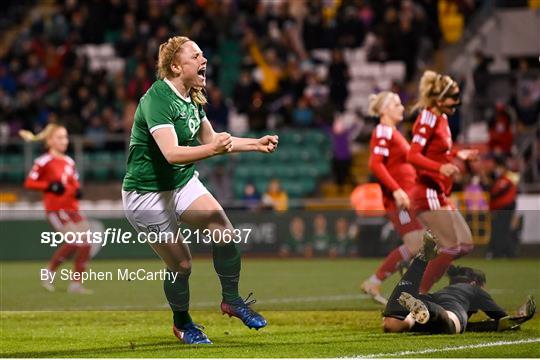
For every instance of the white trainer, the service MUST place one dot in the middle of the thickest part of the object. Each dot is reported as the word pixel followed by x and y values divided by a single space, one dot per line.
pixel 77 288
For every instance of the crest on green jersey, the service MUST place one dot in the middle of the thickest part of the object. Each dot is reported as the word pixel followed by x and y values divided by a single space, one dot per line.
pixel 194 124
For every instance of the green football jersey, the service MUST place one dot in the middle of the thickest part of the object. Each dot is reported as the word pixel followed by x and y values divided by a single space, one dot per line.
pixel 161 106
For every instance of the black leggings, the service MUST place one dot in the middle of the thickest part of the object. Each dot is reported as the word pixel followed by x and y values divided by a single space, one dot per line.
pixel 439 322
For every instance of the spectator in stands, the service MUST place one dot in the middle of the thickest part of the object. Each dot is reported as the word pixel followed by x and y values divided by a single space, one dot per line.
pixel 303 115
pixel 338 77
pixel 7 81
pixel 313 27
pixel 526 97
pixel 297 243
pixel 341 135
pixel 474 195
pixel 407 46
pixel 96 133
pixel 294 81
pixel 481 74
pixel 268 64
pixel 217 109
pixel 251 197
pixel 257 112
pixel 316 91
pixel 502 204
pixel 244 90
pixel 321 239
pixel 138 85
pixel 344 243
pixel 275 198
pixel 500 131
pixel 350 28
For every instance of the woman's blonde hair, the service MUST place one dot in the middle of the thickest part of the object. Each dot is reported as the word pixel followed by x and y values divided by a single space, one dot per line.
pixel 43 135
pixel 433 86
pixel 167 52
pixel 377 102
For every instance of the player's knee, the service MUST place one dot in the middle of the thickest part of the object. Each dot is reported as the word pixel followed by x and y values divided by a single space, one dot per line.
pixel 413 246
pixel 183 267
pixel 394 325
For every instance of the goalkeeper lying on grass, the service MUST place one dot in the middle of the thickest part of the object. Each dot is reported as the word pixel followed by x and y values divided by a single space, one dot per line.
pixel 447 311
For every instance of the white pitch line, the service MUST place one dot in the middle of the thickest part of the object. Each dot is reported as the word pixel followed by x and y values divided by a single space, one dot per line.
pixel 194 306
pixel 450 348
pixel 289 300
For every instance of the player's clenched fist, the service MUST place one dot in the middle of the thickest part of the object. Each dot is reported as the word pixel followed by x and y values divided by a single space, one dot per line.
pixel 267 143
pixel 222 143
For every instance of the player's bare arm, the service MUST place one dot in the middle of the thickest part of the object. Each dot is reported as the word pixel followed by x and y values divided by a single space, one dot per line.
pixel 174 154
pixel 265 144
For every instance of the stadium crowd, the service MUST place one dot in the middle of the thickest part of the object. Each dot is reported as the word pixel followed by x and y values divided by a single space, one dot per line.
pixel 44 77
pixel 260 65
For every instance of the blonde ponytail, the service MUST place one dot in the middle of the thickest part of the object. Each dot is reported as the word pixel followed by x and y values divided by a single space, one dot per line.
pixel 433 86
pixel 29 136
pixel 167 52
pixel 198 96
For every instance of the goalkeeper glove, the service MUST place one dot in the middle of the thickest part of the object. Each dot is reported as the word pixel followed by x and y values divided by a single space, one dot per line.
pixel 524 313
pixel 56 187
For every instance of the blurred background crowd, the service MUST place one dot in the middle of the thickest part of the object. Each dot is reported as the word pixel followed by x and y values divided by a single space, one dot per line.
pixel 302 69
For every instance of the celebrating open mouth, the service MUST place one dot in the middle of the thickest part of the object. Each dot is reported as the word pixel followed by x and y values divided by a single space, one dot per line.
pixel 202 73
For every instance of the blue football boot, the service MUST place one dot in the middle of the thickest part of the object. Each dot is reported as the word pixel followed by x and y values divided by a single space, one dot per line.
pixel 242 310
pixel 191 334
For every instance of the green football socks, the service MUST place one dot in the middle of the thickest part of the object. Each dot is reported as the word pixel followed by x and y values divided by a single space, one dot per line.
pixel 177 293
pixel 227 264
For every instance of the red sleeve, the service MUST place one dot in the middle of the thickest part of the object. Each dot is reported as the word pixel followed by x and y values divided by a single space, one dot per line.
pixel 416 158
pixel 74 184
pixel 379 149
pixel 33 180
pixel 500 187
pixel 422 131
pixel 376 165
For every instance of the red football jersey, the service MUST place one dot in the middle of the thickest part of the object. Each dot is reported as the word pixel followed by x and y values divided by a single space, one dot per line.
pixel 47 169
pixel 431 147
pixel 388 160
pixel 503 193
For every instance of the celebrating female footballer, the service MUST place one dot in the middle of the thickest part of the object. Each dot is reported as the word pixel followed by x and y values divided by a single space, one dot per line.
pixel 162 187
pixel 54 174
pixel 431 154
pixel 388 162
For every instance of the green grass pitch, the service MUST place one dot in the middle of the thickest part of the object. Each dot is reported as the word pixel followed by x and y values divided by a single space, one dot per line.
pixel 314 309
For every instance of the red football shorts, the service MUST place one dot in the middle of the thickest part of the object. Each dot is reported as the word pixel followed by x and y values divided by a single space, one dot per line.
pixel 426 198
pixel 404 220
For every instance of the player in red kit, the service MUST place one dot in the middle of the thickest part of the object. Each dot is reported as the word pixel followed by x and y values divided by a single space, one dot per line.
pixel 432 155
pixel 55 175
pixel 388 162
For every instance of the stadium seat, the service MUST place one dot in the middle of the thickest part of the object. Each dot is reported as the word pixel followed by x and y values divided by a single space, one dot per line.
pixel 14 165
pixel 99 165
pixel 290 138
pixel 303 157
pixel 119 166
